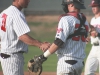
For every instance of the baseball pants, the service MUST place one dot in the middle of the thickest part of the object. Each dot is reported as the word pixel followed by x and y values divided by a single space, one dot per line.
pixel 93 61
pixel 13 65
pixel 64 68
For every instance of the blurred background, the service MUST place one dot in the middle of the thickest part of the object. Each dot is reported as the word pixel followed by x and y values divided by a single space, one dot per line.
pixel 42 17
pixel 44 7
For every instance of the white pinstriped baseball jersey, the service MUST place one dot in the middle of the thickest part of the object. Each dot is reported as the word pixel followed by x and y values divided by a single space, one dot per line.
pixel 95 22
pixel 13 25
pixel 73 48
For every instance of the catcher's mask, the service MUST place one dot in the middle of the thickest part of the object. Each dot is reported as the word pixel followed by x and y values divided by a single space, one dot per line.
pixel 79 4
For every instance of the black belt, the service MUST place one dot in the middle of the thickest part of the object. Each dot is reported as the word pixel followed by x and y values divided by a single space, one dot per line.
pixel 4 55
pixel 72 62
pixel 96 44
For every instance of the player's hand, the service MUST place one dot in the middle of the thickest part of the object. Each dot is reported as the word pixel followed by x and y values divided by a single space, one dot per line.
pixel 44 46
pixel 87 40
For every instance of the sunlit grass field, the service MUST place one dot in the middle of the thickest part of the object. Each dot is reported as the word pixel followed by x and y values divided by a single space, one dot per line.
pixel 44 32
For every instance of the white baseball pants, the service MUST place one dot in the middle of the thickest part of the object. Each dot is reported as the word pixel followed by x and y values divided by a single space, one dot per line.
pixel 64 68
pixel 93 61
pixel 13 65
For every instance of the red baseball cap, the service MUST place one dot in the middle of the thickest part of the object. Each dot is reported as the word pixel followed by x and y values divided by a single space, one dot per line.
pixel 95 3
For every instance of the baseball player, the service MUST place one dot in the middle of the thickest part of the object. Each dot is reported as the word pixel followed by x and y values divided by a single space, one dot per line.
pixel 15 39
pixel 70 39
pixel 93 59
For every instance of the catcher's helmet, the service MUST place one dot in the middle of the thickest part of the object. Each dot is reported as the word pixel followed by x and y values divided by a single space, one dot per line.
pixel 79 4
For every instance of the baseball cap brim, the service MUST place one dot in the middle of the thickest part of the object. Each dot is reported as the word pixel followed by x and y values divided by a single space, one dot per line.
pixel 93 5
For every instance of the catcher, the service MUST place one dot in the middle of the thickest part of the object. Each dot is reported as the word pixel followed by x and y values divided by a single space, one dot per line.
pixel 70 40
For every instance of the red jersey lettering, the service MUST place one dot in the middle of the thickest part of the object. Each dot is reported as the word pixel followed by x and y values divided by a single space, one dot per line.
pixel 3 26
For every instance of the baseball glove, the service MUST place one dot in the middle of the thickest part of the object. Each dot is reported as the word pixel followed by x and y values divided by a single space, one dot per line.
pixel 94 36
pixel 93 32
pixel 35 65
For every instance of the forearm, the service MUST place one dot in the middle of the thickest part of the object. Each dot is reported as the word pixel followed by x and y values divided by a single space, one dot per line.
pixel 29 40
pixel 57 44
pixel 51 50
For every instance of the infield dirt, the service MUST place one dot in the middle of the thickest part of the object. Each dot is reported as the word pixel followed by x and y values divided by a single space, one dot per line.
pixel 44 73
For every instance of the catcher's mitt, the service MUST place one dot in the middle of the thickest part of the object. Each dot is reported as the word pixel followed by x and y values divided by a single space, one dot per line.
pixel 35 65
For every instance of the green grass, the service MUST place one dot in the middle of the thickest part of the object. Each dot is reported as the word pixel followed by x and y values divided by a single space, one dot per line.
pixel 50 64
pixel 44 32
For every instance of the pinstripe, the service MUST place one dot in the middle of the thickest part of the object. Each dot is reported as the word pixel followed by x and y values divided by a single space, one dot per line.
pixel 16 26
pixel 71 50
pixel 13 65
pixel 64 68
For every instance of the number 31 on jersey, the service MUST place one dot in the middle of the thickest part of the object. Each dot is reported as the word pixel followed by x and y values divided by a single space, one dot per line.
pixel 3 22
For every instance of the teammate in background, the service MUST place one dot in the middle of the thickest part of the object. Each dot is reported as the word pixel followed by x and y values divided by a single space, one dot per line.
pixel 93 59
pixel 70 39
pixel 0 45
pixel 0 49
pixel 15 39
